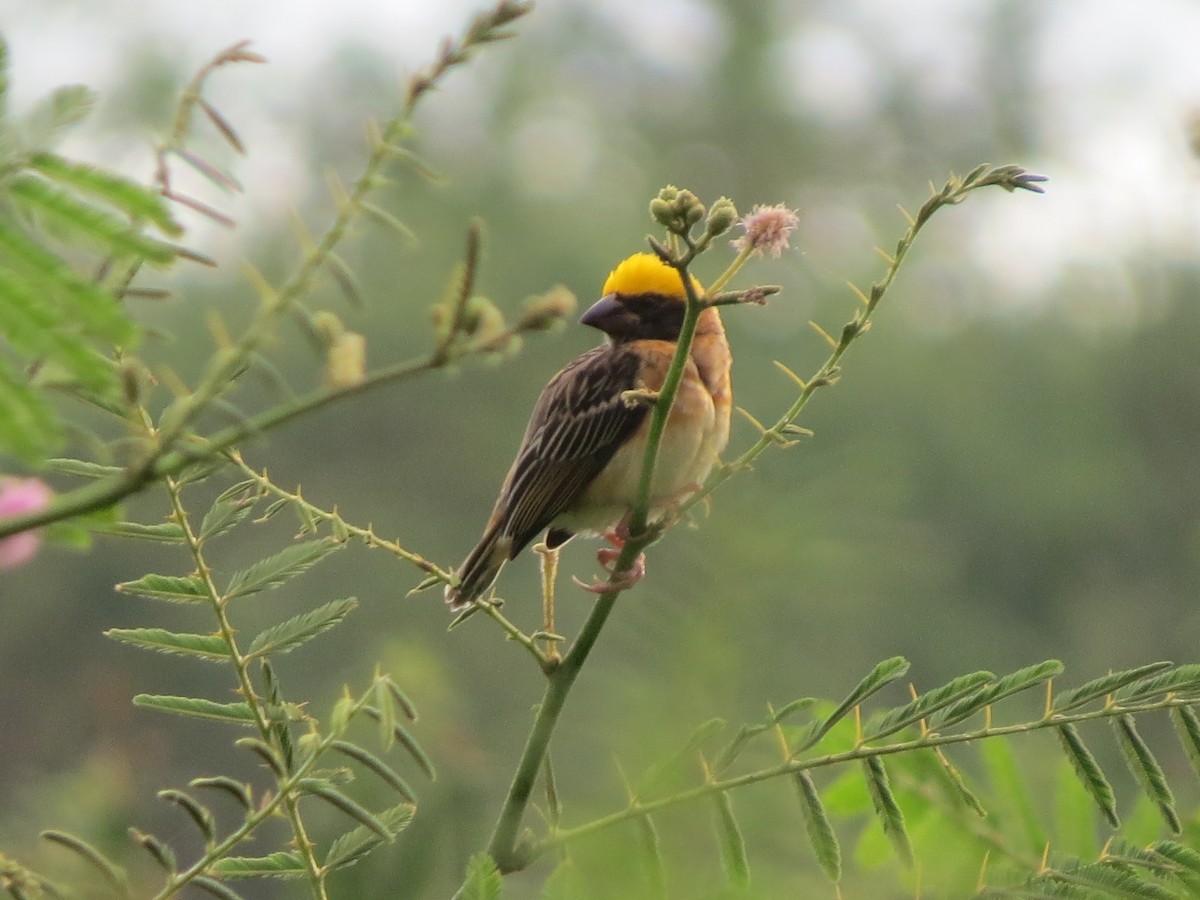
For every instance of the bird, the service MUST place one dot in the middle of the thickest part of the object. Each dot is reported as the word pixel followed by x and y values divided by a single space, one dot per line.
pixel 580 461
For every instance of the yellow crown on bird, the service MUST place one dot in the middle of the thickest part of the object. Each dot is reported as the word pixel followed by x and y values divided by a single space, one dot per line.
pixel 645 273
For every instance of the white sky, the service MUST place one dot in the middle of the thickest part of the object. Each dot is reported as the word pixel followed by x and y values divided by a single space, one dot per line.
pixel 1120 83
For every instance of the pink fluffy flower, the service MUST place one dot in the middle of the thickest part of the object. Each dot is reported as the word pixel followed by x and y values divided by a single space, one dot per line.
pixel 19 496
pixel 767 230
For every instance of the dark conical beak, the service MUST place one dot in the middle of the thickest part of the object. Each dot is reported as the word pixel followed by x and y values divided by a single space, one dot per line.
pixel 608 314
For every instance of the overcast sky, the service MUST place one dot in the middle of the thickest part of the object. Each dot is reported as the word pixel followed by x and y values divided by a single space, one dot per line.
pixel 1120 83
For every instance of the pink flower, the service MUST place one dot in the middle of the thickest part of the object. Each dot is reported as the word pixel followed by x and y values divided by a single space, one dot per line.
pixel 19 496
pixel 767 230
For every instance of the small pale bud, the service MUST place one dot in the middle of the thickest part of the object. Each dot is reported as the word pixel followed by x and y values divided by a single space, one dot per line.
pixel 721 217
pixel 544 311
pixel 471 314
pixel 689 208
pixel 346 364
pixel 483 320
pixel 662 212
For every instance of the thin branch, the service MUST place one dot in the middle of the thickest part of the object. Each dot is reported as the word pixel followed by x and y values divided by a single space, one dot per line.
pixel 929 740
pixel 335 520
pixel 165 458
pixel 241 667
pixel 953 192
pixel 503 844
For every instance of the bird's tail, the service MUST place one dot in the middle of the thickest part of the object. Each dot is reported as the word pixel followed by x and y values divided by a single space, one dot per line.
pixel 479 570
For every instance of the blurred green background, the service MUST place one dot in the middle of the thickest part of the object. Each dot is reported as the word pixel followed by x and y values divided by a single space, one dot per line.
pixel 1007 471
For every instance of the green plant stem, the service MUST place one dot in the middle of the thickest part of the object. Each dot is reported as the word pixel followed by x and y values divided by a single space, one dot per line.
pixel 245 684
pixel 643 807
pixel 335 520
pixel 503 845
pixel 953 192
pixel 516 634
pixel 164 459
pixel 107 491
pixel 264 811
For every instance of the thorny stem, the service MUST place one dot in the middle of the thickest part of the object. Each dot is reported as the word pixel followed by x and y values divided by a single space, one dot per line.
pixel 503 844
pixel 953 192
pixel 166 463
pixel 641 807
pixel 241 666
pixel 164 458
pixel 262 812
pixel 516 634
pixel 333 517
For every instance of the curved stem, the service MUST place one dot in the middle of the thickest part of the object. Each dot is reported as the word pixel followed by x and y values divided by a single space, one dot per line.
pixel 503 847
pixel 241 667
pixel 112 490
pixel 953 192
pixel 639 807
pixel 166 459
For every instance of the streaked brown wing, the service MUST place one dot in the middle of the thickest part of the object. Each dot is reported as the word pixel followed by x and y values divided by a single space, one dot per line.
pixel 576 426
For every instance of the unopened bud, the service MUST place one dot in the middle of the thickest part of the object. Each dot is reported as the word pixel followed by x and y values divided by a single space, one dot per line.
pixel 721 217
pixel 346 363
pixel 689 208
pixel 483 320
pixel 662 212
pixel 472 312
pixel 544 311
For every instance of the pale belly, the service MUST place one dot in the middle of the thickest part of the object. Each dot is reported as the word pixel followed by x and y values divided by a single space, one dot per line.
pixel 695 435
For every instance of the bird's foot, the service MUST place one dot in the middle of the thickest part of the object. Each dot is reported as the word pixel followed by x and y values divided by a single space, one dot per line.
pixel 622 580
pixel 620 533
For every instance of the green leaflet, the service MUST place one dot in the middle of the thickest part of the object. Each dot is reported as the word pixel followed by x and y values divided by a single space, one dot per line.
pixel 135 200
pixel 164 532
pixel 113 235
pixel 280 568
pixel 281 864
pixel 200 646
pixel 354 845
pixel 483 881
pixel 110 871
pixel 1089 773
pixel 887 809
pixel 355 810
pixel 1102 687
pixel 820 832
pixel 289 635
pixel 896 719
pixel 175 588
pixel 238 713
pixel 1146 769
pixel 378 766
pixel 882 675
pixel 732 845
